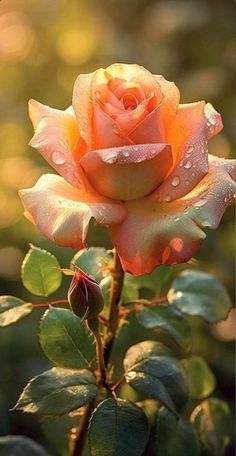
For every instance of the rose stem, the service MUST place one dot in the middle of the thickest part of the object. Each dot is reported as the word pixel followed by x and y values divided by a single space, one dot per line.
pixel 52 303
pixel 77 440
pixel 115 294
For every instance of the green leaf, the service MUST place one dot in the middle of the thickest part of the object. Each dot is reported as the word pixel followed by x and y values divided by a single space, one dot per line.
pixel 58 391
pixel 201 380
pixel 129 292
pixel 151 370
pixel 65 340
pixel 175 437
pixel 13 309
pixel 20 446
pixel 57 430
pixel 118 427
pixel 199 293
pixel 154 281
pixel 169 320
pixel 94 261
pixel 212 421
pixel 40 272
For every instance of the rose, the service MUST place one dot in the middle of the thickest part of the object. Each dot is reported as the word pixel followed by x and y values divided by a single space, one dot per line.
pixel 134 159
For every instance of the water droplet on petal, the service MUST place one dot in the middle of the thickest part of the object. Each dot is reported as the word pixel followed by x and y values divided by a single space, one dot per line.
pixel 110 159
pixel 58 158
pixel 188 164
pixel 176 219
pixel 81 86
pixel 167 198
pixel 187 182
pixel 153 151
pixel 190 149
pixel 126 154
pixel 175 181
pixel 136 149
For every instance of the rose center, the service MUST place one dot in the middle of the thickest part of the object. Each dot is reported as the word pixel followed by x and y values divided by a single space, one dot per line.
pixel 129 101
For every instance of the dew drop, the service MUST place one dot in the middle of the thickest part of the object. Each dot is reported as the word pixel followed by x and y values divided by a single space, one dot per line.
pixel 167 198
pixel 153 151
pixel 190 149
pixel 136 149
pixel 110 159
pixel 126 154
pixel 187 182
pixel 175 181
pixel 188 164
pixel 58 158
pixel 225 199
pixel 81 86
pixel 176 219
pixel 234 195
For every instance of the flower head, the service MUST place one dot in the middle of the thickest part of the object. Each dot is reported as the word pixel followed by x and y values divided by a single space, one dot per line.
pixel 134 158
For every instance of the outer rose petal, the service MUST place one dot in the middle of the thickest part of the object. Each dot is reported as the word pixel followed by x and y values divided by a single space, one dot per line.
pixel 128 172
pixel 188 138
pixel 81 102
pixel 56 137
pixel 154 234
pixel 213 120
pixel 62 212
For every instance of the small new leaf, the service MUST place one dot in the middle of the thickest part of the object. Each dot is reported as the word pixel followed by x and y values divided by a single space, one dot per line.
pixel 40 272
pixel 118 427
pixel 152 371
pixel 94 261
pixel 58 391
pixel 201 380
pixel 65 340
pixel 13 309
pixel 201 294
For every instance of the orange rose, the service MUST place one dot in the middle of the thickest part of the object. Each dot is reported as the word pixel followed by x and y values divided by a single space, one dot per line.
pixel 137 161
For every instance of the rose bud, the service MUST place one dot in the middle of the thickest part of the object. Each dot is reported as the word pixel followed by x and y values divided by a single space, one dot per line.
pixel 85 296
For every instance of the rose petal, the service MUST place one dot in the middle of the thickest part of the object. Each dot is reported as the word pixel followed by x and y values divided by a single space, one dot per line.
pixel 149 130
pixel 128 172
pixel 81 102
pixel 169 102
pixel 137 74
pixel 154 234
pixel 213 120
pixel 56 138
pixel 105 131
pixel 188 138
pixel 62 212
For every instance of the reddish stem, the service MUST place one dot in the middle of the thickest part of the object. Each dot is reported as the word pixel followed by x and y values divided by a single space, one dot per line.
pixel 52 303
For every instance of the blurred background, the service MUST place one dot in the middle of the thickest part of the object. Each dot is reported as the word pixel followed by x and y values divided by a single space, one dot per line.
pixel 44 45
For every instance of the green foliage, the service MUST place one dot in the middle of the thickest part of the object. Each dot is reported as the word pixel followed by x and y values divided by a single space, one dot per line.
pixel 20 446
pixel 156 281
pixel 93 261
pixel 201 380
pixel 151 370
pixel 65 340
pixel 200 293
pixel 166 318
pixel 213 424
pixel 13 309
pixel 57 430
pixel 58 391
pixel 118 427
pixel 174 437
pixel 40 272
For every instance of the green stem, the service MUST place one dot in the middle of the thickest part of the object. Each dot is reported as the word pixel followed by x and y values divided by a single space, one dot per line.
pixel 93 324
pixel 115 295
